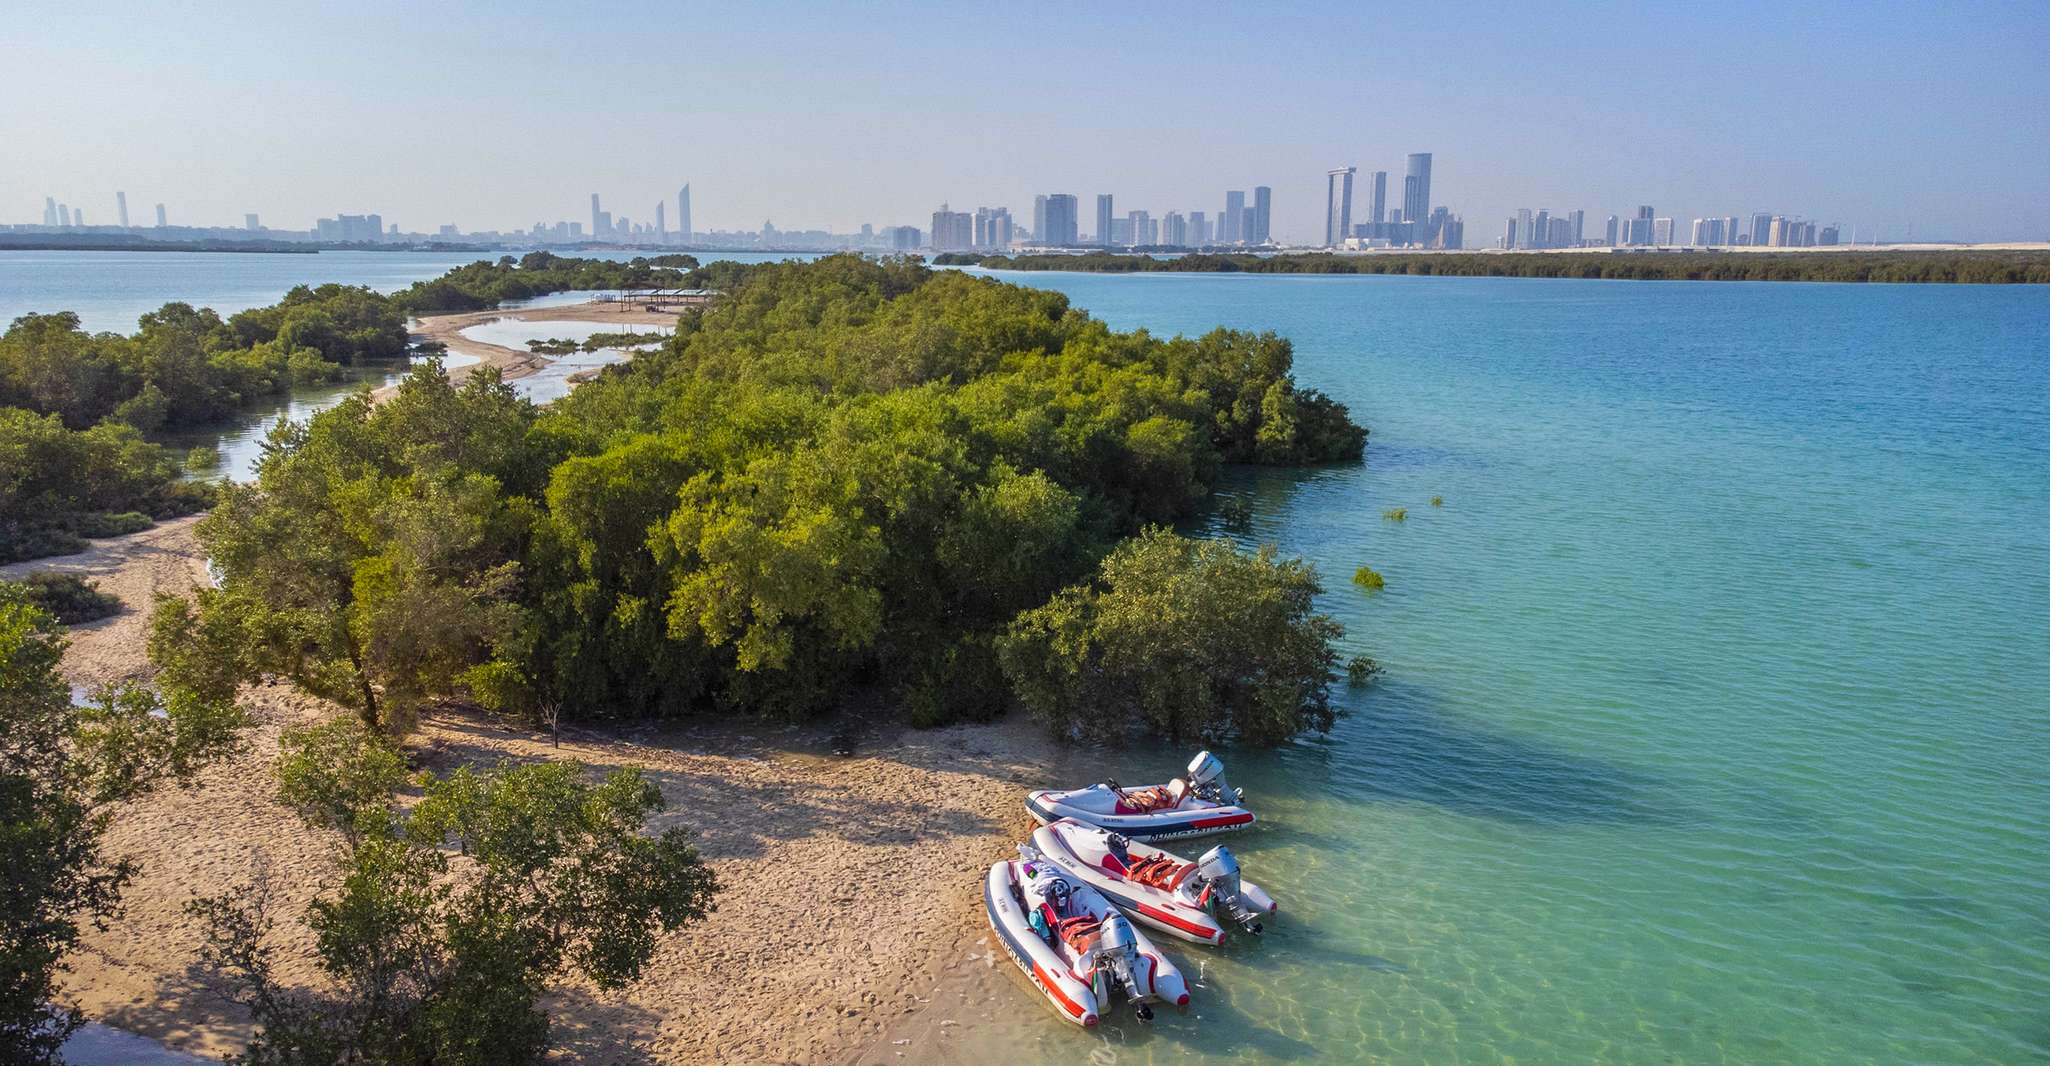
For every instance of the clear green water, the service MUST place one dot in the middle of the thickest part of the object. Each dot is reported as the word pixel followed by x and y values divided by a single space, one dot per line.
pixel 1717 720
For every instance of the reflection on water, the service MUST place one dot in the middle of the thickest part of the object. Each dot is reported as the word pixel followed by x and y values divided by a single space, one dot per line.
pixel 515 333
pixel 239 442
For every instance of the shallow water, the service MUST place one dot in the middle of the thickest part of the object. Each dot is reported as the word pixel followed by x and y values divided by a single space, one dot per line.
pixel 1716 725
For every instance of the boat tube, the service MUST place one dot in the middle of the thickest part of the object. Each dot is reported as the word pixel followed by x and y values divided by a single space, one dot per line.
pixel 1074 944
pixel 1198 803
pixel 1195 901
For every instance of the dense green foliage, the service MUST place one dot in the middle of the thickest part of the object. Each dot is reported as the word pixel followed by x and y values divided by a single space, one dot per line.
pixel 1185 639
pixel 485 284
pixel 186 366
pixel 2008 267
pixel 450 919
pixel 843 474
pixel 375 561
pixel 86 471
pixel 59 486
pixel 70 599
pixel 64 769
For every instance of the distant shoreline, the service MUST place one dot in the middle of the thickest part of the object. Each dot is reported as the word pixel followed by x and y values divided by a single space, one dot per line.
pixel 245 247
pixel 1985 267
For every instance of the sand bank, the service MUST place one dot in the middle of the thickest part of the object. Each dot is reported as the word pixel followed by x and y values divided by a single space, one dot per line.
pixel 852 884
pixel 515 362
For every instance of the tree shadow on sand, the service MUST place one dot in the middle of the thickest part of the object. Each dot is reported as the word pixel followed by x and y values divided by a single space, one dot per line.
pixel 185 1005
pixel 738 817
pixel 586 1026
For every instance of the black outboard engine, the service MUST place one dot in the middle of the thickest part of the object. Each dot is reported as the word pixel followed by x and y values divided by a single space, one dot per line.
pixel 1219 874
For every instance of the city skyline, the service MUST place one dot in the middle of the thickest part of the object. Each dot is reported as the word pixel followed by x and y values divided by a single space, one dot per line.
pixel 1870 144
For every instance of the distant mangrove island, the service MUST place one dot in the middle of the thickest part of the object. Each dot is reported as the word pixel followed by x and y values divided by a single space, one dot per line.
pixel 1956 267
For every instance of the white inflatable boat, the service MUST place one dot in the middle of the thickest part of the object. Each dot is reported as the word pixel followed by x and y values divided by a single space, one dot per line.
pixel 1192 900
pixel 1196 804
pixel 1080 951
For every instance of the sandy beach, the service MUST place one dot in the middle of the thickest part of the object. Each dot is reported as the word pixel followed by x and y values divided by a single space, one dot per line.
pixel 850 882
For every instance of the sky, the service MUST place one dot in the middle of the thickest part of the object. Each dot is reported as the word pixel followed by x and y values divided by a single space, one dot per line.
pixel 1902 120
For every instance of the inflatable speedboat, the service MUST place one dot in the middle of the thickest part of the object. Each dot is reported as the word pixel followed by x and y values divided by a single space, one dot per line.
pixel 1074 944
pixel 1192 900
pixel 1195 804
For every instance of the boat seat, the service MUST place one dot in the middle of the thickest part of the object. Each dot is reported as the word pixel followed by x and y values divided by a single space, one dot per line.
pixel 1158 871
pixel 1144 801
pixel 1079 931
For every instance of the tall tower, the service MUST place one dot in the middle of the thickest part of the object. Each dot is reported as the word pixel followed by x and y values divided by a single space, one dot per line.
pixel 49 211
pixel 1416 188
pixel 1263 213
pixel 1231 229
pixel 597 230
pixel 160 217
pixel 121 202
pixel 661 228
pixel 1338 206
pixel 683 230
pixel 1103 216
pixel 1378 201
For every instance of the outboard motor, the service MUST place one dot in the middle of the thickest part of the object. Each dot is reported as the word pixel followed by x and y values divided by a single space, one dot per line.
pixel 1206 779
pixel 1117 960
pixel 1219 873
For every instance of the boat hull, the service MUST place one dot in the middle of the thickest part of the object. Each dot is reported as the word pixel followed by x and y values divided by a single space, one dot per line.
pixel 1079 850
pixel 1092 806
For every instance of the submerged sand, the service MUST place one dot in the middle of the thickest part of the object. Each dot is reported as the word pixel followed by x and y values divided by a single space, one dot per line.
pixel 516 362
pixel 851 884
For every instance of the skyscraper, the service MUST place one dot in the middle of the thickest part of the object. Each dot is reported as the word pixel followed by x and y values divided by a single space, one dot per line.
pixel 683 230
pixel 1103 217
pixel 661 226
pixel 1611 232
pixel 952 231
pixel 1199 229
pixel 49 210
pixel 160 217
pixel 1579 228
pixel 1526 229
pixel 1062 216
pixel 1416 188
pixel 598 228
pixel 1379 203
pixel 1039 218
pixel 250 223
pixel 1263 214
pixel 1337 205
pixel 121 204
pixel 1761 229
pixel 1230 226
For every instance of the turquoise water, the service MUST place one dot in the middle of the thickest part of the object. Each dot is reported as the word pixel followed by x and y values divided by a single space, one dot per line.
pixel 1716 725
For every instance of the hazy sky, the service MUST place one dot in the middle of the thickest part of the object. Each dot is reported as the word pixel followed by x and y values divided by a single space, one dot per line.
pixel 498 115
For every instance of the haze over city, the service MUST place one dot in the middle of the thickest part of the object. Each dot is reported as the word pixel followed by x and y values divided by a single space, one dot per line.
pixel 835 118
